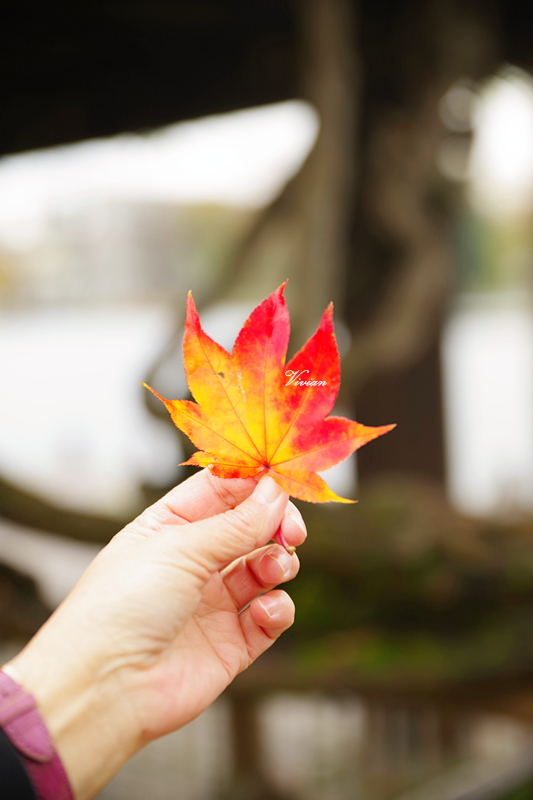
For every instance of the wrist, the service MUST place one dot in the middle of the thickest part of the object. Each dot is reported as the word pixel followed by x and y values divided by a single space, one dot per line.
pixel 87 717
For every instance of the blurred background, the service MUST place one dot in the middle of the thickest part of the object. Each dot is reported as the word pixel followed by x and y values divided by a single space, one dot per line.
pixel 378 154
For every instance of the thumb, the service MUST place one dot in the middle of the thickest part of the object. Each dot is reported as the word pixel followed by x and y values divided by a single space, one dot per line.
pixel 218 540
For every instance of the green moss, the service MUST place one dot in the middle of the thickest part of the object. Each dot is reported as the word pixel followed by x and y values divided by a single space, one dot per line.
pixel 523 793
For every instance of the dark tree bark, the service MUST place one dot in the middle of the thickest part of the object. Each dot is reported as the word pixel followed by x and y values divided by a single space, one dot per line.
pixel 413 397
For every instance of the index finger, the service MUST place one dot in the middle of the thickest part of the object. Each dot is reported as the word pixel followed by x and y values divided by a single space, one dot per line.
pixel 200 496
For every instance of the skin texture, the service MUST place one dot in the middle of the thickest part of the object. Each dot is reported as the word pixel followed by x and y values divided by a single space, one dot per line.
pixel 152 633
pixel 249 418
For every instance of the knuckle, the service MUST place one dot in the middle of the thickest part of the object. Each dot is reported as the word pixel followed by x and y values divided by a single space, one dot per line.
pixel 241 520
pixel 152 519
pixel 233 532
pixel 223 491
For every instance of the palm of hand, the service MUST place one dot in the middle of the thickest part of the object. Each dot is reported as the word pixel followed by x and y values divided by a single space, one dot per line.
pixel 204 658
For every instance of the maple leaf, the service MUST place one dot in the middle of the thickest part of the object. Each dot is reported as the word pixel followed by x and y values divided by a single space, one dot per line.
pixel 255 414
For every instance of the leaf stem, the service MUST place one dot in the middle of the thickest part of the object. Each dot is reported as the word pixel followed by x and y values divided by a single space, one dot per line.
pixel 288 547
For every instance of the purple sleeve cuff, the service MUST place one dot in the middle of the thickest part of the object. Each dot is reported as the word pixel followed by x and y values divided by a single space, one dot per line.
pixel 23 725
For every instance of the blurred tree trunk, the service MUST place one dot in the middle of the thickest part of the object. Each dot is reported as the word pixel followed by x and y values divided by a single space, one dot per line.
pixel 251 782
pixel 402 268
pixel 413 398
pixel 304 234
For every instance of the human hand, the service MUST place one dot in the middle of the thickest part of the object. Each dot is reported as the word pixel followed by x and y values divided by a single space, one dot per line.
pixel 152 633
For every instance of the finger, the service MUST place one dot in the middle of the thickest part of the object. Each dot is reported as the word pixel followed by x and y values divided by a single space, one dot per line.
pixel 258 572
pixel 293 526
pixel 199 497
pixel 265 620
pixel 215 542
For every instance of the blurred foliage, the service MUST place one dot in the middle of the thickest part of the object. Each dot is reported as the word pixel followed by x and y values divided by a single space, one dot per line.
pixel 399 588
pixel 524 793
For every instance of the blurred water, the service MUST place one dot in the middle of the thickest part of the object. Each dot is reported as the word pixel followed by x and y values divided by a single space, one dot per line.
pixel 488 393
pixel 320 747
pixel 73 424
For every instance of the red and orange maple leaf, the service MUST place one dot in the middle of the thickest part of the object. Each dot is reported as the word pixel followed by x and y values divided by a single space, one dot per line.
pixel 255 414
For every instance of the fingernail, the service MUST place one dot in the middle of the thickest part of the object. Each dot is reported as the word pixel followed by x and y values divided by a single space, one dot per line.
pixel 270 606
pixel 292 512
pixel 282 559
pixel 267 490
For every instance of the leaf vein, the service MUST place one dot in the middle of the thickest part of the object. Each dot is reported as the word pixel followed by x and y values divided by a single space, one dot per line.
pixel 314 450
pixel 230 402
pixel 236 446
